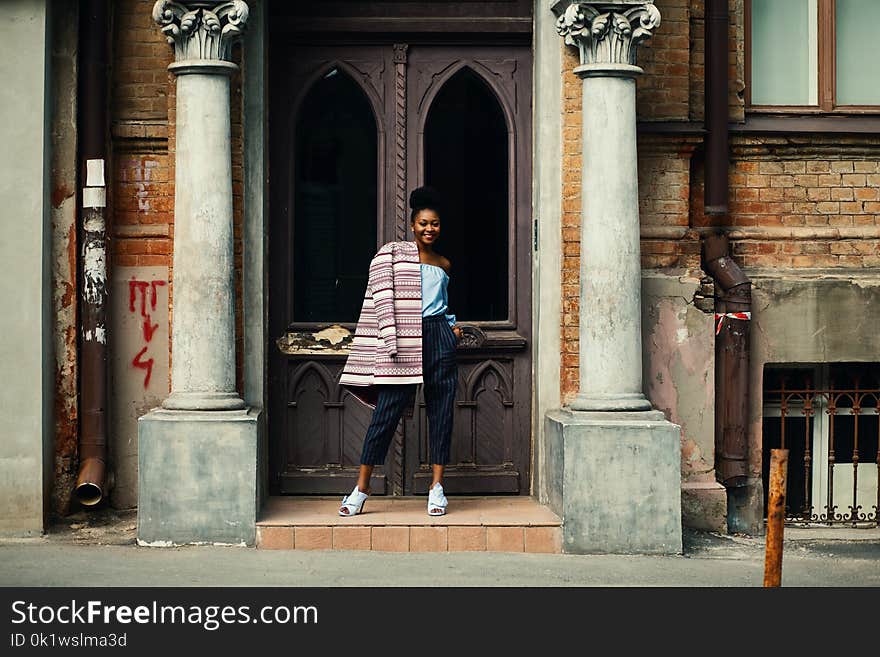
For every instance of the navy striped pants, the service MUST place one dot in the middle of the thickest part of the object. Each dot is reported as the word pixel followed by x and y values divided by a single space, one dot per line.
pixel 440 373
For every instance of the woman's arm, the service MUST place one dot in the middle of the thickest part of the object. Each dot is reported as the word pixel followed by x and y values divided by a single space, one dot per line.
pixel 448 267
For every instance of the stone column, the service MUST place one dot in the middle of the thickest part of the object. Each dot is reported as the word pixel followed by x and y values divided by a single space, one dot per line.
pixel 197 455
pixel 607 35
pixel 203 327
pixel 613 463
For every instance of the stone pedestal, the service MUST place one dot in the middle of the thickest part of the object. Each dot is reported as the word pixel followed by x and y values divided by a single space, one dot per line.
pixel 197 477
pixel 614 479
pixel 198 455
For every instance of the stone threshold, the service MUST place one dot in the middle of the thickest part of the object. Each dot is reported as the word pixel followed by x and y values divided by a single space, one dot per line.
pixel 401 524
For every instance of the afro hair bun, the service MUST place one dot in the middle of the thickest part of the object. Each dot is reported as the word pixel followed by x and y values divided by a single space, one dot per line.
pixel 424 197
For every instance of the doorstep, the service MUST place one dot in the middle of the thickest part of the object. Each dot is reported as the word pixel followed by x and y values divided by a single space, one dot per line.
pixel 402 524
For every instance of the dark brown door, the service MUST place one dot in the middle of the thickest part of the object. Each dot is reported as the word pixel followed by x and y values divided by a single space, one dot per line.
pixel 353 128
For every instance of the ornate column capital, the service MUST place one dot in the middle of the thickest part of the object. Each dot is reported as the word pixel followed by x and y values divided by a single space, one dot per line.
pixel 606 32
pixel 202 33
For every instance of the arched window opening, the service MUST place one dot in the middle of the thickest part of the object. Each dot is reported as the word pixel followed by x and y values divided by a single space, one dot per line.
pixel 334 213
pixel 467 161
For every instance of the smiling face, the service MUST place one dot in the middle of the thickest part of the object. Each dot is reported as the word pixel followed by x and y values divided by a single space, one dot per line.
pixel 426 227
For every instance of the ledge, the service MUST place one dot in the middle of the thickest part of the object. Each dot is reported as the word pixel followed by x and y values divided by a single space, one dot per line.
pixel 762 124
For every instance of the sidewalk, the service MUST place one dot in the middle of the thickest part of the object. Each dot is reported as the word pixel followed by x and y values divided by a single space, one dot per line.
pixel 99 549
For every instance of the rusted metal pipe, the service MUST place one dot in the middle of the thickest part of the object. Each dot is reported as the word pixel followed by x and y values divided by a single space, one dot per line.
pixel 92 124
pixel 716 39
pixel 775 517
pixel 733 305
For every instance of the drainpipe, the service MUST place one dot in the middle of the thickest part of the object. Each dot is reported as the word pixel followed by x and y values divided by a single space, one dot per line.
pixel 716 29
pixel 733 306
pixel 91 483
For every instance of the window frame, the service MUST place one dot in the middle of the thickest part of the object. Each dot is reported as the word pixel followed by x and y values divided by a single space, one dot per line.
pixel 827 69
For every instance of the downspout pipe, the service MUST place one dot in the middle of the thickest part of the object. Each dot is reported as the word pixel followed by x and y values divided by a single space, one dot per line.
pixel 733 307
pixel 717 23
pixel 92 125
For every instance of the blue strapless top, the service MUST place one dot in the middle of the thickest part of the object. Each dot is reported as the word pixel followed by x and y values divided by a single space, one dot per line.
pixel 434 298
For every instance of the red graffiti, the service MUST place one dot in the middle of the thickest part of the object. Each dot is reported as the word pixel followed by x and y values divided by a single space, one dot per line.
pixel 144 365
pixel 149 329
pixel 141 286
pixel 144 289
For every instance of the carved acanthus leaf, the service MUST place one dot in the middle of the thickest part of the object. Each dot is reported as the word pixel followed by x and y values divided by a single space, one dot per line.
pixel 607 32
pixel 202 30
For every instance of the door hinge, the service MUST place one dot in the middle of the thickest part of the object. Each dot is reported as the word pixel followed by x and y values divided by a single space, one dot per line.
pixel 535 223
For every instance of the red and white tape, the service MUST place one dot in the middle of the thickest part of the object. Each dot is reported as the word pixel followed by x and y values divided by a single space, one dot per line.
pixel 719 319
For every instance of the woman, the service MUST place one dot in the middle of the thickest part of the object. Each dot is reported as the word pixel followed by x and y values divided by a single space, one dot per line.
pixel 393 351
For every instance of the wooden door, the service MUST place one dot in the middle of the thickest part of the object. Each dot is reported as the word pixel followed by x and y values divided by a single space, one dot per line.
pixel 468 135
pixel 353 128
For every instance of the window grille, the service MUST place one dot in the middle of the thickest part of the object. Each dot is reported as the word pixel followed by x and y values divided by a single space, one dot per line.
pixel 827 417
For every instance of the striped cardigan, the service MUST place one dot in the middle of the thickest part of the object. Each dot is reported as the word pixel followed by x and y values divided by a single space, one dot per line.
pixel 387 345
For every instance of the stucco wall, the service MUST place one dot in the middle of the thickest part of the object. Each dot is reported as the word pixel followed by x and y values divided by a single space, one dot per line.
pixel 26 428
pixel 678 362
pixel 800 317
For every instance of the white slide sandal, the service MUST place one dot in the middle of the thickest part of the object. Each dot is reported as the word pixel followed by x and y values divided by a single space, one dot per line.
pixel 353 503
pixel 437 501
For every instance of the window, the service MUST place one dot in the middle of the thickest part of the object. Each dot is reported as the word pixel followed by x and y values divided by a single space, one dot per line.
pixel 466 148
pixel 828 417
pixel 334 217
pixel 813 55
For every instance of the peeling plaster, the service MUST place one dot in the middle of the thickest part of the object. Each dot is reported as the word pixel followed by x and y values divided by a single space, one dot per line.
pixel 64 252
pixel 679 374
pixel 333 338
pixel 60 194
pixel 95 224
pixel 98 335
pixel 143 175
pixel 94 271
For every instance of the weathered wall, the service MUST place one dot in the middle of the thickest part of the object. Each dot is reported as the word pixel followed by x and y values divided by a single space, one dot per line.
pixel 138 364
pixel 806 317
pixel 65 18
pixel 679 379
pixel 26 395
pixel 806 205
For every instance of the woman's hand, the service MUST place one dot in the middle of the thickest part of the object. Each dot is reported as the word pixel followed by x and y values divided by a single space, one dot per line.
pixel 457 331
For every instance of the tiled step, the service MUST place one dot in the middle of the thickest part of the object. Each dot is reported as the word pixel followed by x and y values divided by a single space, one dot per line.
pixel 401 524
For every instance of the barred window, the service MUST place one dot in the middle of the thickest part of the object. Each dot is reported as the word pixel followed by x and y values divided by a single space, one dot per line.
pixel 826 415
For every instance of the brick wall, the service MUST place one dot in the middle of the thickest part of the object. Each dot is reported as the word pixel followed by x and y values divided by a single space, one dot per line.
pixel 664 207
pixel 816 211
pixel 571 221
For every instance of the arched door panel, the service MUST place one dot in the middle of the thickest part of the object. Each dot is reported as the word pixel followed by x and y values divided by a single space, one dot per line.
pixel 328 144
pixel 469 136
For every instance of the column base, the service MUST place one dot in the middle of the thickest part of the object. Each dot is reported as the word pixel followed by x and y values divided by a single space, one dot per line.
pixel 197 477
pixel 617 402
pixel 204 401
pixel 615 479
